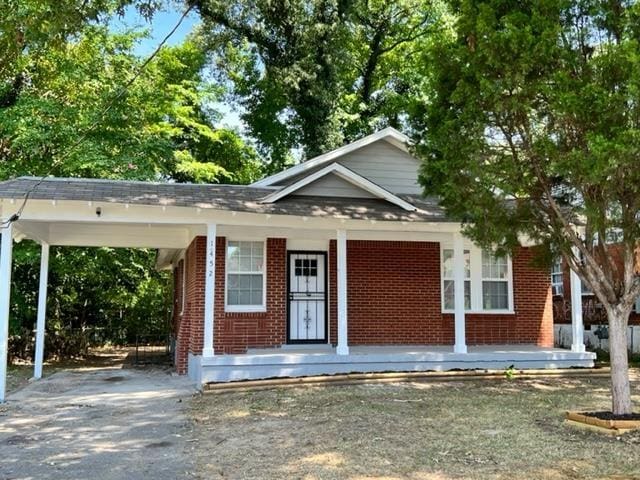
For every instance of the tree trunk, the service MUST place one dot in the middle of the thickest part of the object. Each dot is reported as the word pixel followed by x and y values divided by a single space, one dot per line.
pixel 620 388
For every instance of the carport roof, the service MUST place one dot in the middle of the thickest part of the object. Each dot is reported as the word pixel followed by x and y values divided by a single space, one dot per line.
pixel 237 198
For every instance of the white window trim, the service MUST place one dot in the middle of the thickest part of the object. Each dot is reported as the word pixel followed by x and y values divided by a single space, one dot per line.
pixel 475 253
pixel 452 279
pixel 555 274
pixel 245 308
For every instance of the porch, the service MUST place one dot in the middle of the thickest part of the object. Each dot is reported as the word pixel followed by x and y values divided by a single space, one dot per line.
pixel 307 360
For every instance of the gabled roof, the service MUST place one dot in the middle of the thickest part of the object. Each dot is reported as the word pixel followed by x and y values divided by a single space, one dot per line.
pixel 389 134
pixel 346 174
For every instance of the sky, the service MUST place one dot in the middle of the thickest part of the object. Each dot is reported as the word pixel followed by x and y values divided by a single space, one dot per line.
pixel 159 26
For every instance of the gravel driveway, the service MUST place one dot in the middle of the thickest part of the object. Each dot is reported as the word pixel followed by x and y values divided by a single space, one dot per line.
pixel 107 423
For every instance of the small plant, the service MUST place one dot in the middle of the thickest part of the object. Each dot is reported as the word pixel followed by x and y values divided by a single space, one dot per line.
pixel 510 372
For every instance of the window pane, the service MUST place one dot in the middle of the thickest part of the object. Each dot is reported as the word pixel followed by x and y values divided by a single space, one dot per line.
pixel 256 297
pixel 244 289
pixel 245 256
pixel 495 295
pixel 256 264
pixel 447 264
pixel 494 267
pixel 450 296
pixel 256 282
pixel 245 248
pixel 233 281
pixel 234 263
pixel 449 301
pixel 244 297
pixel 232 297
pixel 244 282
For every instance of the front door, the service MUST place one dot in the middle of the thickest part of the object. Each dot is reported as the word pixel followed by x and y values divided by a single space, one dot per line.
pixel 307 293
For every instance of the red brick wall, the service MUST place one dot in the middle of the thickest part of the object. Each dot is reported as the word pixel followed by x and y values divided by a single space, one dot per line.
pixel 394 298
pixel 235 332
pixel 189 336
pixel 532 299
pixel 393 291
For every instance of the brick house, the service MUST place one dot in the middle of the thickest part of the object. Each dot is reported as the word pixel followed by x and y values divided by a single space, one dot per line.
pixel 338 264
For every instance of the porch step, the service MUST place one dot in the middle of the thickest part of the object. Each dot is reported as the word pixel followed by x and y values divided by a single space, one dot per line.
pixel 394 377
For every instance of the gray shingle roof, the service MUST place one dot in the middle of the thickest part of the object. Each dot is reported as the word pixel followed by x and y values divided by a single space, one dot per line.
pixel 220 197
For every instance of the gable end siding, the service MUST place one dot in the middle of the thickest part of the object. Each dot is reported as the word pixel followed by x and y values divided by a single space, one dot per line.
pixel 382 163
pixel 387 166
pixel 333 186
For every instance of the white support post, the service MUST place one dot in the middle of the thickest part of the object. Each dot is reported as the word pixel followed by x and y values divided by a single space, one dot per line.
pixel 6 248
pixel 577 326
pixel 42 311
pixel 460 345
pixel 209 291
pixel 341 250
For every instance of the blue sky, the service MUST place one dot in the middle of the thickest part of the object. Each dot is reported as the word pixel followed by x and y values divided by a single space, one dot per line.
pixel 159 26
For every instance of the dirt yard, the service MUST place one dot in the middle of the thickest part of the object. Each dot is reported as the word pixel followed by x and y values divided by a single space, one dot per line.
pixel 115 422
pixel 495 429
pixel 98 420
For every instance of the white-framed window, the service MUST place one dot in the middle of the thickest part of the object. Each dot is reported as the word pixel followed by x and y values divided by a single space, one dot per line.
pixel 246 276
pixel 488 281
pixel 495 282
pixel 448 284
pixel 557 285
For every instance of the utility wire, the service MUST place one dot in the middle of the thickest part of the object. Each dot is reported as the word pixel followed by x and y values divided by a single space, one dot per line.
pixel 16 216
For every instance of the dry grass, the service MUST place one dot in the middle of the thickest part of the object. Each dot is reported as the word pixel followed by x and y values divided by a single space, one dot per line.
pixel 433 431
pixel 18 375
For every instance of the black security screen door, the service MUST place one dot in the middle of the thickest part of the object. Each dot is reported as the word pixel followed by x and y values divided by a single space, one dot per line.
pixel 307 294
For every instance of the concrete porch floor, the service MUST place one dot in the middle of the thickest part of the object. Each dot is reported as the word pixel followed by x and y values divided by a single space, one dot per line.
pixel 306 360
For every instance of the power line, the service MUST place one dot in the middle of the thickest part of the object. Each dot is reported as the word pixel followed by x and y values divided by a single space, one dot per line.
pixel 96 122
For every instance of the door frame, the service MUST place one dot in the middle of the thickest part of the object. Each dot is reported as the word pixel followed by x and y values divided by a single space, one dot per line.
pixel 325 255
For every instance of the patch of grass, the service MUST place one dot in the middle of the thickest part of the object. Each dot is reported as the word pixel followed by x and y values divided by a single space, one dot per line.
pixel 494 429
pixel 603 358
pixel 19 374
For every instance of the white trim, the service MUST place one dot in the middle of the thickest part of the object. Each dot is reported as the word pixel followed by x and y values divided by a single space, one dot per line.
pixel 557 288
pixel 210 290
pixel 6 257
pixel 475 254
pixel 390 134
pixel 577 325
pixel 245 308
pixel 42 311
pixel 460 345
pixel 341 264
pixel 346 174
pixel 484 279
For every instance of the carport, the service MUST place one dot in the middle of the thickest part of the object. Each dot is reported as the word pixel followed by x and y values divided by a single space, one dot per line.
pixel 65 212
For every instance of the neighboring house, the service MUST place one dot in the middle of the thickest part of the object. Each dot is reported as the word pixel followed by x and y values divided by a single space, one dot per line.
pixel 593 312
pixel 596 334
pixel 338 264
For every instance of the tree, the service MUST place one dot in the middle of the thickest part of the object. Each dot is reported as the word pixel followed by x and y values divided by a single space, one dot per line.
pixel 162 128
pixel 533 130
pixel 310 75
pixel 31 29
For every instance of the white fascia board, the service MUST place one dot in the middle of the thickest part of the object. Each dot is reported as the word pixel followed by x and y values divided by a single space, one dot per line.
pixel 348 175
pixel 390 134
